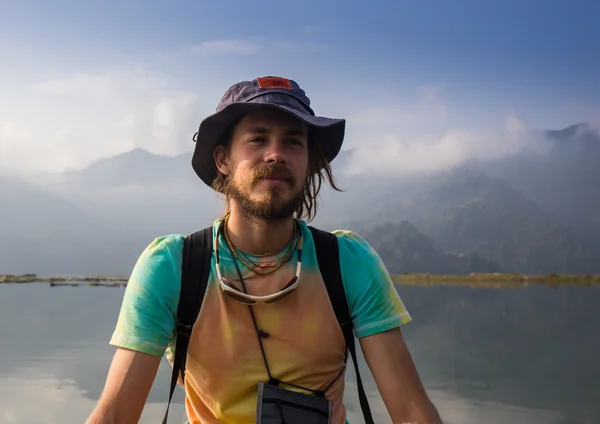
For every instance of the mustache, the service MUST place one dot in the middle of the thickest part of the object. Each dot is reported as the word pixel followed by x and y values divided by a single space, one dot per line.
pixel 273 171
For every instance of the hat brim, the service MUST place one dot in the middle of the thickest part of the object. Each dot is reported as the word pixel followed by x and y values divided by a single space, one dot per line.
pixel 328 132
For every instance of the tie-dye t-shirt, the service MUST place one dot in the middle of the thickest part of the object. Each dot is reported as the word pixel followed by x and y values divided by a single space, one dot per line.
pixel 305 346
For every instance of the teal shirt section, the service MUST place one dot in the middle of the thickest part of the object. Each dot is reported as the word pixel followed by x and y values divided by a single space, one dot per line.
pixel 146 320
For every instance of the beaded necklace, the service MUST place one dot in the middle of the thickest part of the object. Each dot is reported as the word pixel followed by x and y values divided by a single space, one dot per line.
pixel 261 269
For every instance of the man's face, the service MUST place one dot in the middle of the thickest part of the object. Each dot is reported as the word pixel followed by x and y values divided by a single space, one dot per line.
pixel 267 164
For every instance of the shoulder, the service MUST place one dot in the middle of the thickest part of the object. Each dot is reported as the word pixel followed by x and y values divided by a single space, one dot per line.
pixel 361 265
pixel 355 250
pixel 158 268
pixel 374 302
pixel 149 305
pixel 156 275
pixel 349 239
pixel 165 253
pixel 164 245
pixel 162 255
pixel 358 261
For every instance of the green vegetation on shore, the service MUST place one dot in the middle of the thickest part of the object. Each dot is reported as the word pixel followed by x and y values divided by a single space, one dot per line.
pixel 473 280
pixel 92 280
pixel 496 280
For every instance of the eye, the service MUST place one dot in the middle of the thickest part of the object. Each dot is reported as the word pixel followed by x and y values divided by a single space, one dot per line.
pixel 296 141
pixel 256 140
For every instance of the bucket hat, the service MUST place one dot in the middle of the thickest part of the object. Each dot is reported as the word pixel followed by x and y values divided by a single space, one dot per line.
pixel 249 96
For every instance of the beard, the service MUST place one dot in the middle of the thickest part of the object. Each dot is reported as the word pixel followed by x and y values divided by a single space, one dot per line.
pixel 274 205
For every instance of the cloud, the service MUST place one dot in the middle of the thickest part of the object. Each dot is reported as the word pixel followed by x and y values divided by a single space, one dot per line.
pixel 394 154
pixel 10 130
pixel 594 126
pixel 251 46
pixel 86 86
pixel 71 121
pixel 227 46
pixel 427 107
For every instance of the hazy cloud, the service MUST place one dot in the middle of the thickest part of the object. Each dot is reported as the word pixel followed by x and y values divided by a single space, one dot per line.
pixel 71 121
pixel 227 46
pixel 427 107
pixel 394 154
pixel 87 86
pixel 594 125
pixel 10 130
pixel 251 45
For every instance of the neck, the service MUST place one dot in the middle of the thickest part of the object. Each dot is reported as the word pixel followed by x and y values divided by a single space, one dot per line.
pixel 258 237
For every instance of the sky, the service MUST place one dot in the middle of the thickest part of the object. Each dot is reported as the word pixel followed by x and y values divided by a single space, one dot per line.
pixel 422 85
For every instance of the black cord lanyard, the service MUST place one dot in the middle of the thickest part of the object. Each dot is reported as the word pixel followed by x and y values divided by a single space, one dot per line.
pixel 262 334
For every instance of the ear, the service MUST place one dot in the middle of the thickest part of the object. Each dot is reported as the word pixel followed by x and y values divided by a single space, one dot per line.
pixel 222 160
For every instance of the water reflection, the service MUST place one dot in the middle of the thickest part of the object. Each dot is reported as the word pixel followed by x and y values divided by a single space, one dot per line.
pixel 495 356
pixel 534 348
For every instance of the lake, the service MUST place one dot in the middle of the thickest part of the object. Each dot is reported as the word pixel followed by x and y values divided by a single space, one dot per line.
pixel 528 355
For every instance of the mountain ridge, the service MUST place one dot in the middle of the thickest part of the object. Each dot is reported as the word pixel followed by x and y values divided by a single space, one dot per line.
pixel 138 195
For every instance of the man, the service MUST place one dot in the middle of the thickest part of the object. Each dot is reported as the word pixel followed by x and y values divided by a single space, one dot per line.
pixel 267 153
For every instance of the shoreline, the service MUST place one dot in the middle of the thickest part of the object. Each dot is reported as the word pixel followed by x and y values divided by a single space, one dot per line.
pixel 492 280
pixel 87 280
pixel 497 280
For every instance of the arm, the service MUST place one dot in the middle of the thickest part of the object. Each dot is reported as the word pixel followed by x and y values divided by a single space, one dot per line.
pixel 397 379
pixel 377 313
pixel 144 329
pixel 129 381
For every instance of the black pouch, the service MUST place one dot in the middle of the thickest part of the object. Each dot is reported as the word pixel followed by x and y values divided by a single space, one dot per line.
pixel 277 405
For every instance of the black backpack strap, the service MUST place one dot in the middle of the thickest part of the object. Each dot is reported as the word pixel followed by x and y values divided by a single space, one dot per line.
pixel 195 269
pixel 327 250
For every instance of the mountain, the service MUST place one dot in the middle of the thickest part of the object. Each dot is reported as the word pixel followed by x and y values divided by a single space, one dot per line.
pixel 44 234
pixel 531 213
pixel 146 193
pixel 565 181
pixel 100 218
pixel 404 249
pixel 135 167
pixel 466 211
pixel 472 212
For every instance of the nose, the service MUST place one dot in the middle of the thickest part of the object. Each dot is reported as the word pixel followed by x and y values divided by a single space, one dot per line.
pixel 276 153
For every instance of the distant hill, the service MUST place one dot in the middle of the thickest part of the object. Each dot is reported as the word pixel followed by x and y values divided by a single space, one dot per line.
pixel 44 234
pixel 472 212
pixel 533 213
pixel 565 181
pixel 145 193
pixel 137 166
pixel 404 249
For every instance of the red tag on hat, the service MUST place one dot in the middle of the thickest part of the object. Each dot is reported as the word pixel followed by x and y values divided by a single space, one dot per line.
pixel 271 82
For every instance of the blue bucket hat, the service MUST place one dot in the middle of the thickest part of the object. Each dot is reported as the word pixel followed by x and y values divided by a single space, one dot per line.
pixel 249 96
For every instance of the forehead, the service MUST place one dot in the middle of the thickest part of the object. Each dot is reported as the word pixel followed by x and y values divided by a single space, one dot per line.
pixel 270 120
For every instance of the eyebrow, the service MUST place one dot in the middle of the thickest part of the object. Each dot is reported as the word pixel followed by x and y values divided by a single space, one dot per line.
pixel 263 130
